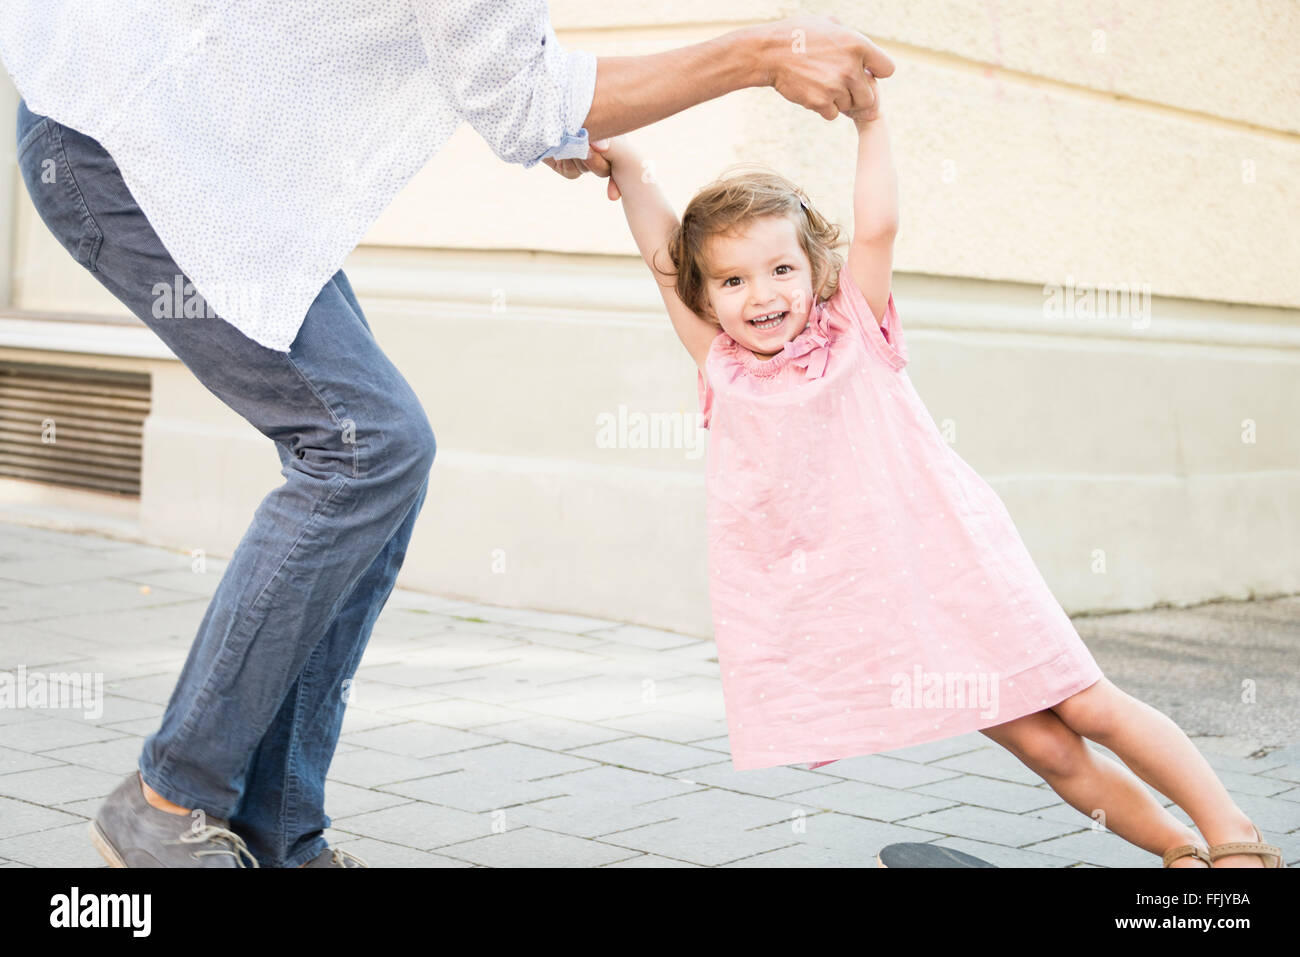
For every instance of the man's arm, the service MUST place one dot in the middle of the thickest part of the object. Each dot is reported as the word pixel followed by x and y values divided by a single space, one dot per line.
pixel 635 91
pixel 815 62
pixel 875 212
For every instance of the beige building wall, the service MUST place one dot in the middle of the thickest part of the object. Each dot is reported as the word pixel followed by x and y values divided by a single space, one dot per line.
pixel 1148 454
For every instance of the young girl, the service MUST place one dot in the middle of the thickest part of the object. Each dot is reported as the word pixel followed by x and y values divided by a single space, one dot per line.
pixel 869 589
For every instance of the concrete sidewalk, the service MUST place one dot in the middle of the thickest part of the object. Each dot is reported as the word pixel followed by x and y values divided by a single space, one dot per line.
pixel 484 736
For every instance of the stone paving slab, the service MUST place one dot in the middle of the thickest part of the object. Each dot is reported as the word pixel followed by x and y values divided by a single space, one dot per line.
pixel 356 718
pixel 531 847
pixel 607 782
pixel 556 734
pixel 773 782
pixel 425 827
pixel 987 824
pixel 368 768
pixel 417 739
pixel 49 604
pixel 58 784
pixel 873 802
pixel 38 733
pixel 669 725
pixel 383 854
pixel 640 860
pixel 23 817
pixel 582 816
pixel 66 845
pixel 803 855
pixel 1097 847
pixel 830 830
pixel 475 791
pixel 647 754
pixel 889 772
pixel 344 800
pixel 463 713
pixel 183 579
pixel 481 736
pixel 140 727
pixel 990 793
pixel 707 843
pixel 12 760
pixel 108 756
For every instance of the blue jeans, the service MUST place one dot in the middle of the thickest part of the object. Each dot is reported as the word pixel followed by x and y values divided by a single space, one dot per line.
pixel 252 725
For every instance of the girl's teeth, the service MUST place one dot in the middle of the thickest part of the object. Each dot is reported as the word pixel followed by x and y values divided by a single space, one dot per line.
pixel 768 324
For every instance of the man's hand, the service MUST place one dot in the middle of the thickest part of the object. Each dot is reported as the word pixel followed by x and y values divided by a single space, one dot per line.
pixel 594 163
pixel 823 65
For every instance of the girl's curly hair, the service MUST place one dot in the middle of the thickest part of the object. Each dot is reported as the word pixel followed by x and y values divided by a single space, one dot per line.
pixel 733 200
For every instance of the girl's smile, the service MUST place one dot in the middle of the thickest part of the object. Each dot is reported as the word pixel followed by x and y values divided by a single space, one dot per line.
pixel 760 284
pixel 769 321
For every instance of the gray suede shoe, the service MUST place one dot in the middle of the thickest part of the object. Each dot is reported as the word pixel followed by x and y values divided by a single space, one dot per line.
pixel 335 857
pixel 128 831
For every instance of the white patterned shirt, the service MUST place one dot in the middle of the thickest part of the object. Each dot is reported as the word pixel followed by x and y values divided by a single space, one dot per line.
pixel 262 138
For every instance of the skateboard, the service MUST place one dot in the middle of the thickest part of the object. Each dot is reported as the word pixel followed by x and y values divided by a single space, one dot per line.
pixel 926 855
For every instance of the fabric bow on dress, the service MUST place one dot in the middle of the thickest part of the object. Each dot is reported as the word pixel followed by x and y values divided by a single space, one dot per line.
pixel 811 348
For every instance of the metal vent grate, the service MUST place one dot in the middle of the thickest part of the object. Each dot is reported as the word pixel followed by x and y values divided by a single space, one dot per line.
pixel 72 426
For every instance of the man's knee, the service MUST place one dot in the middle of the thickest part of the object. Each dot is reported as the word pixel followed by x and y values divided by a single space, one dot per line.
pixel 391 449
pixel 410 446
pixel 424 445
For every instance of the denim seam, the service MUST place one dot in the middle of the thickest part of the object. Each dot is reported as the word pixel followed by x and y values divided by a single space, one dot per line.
pixel 92 252
pixel 31 136
pixel 318 845
pixel 204 693
pixel 311 523
pixel 288 807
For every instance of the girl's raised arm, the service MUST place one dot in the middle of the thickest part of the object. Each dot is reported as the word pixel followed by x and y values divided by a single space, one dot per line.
pixel 875 208
pixel 652 221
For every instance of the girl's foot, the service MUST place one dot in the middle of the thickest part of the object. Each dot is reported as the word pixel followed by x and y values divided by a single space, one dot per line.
pixel 1199 858
pixel 1266 856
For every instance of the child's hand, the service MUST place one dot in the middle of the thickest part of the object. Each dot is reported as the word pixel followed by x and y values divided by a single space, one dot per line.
pixel 867 114
pixel 605 153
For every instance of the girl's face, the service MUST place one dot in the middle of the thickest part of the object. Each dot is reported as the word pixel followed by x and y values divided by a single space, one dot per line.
pixel 759 284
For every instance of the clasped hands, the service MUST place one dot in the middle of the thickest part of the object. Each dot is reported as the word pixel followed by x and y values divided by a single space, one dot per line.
pixel 824 77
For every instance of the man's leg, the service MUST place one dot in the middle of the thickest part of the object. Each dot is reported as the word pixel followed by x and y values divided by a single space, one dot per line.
pixel 361 449
pixel 282 812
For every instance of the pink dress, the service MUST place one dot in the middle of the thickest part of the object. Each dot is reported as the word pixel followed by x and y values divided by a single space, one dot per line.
pixel 869 590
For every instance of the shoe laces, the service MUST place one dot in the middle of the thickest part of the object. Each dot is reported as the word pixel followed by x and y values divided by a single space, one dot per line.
pixel 340 858
pixel 218 835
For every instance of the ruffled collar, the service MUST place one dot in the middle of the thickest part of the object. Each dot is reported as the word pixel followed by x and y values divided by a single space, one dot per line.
pixel 808 351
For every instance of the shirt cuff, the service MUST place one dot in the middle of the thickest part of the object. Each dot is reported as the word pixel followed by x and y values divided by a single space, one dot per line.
pixel 572 146
pixel 578 96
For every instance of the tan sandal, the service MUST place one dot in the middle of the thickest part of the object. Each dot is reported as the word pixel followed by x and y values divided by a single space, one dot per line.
pixel 1186 850
pixel 1256 846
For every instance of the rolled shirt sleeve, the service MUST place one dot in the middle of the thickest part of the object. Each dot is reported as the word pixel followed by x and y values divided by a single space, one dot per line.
pixel 507 75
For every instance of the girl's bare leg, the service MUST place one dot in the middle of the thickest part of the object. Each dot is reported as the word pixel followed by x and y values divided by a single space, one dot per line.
pixel 1090 782
pixel 1160 753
